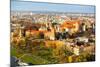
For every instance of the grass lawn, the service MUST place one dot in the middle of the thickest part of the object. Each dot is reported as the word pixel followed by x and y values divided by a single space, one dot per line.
pixel 28 58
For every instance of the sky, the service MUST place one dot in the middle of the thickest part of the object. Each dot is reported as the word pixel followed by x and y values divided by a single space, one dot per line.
pixel 41 6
